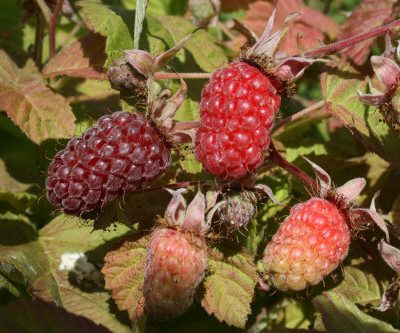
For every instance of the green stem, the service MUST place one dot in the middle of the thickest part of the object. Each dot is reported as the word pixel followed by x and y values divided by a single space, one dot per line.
pixel 297 115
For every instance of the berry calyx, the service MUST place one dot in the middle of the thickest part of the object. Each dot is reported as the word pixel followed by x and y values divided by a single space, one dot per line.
pixel 122 153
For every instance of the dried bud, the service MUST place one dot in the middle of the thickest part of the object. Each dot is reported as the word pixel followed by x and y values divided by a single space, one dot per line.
pixel 237 209
pixel 124 77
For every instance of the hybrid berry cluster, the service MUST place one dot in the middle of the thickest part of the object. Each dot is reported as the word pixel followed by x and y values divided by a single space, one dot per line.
pixel 126 152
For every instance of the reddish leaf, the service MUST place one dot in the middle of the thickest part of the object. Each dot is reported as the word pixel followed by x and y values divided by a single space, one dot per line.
pixel 35 108
pixel 308 30
pixel 84 58
pixel 368 15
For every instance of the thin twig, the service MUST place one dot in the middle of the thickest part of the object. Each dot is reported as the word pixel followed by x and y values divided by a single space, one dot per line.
pixel 276 158
pixel 182 184
pixel 298 115
pixel 45 10
pixel 348 42
pixel 52 28
pixel 85 98
pixel 165 76
pixel 39 35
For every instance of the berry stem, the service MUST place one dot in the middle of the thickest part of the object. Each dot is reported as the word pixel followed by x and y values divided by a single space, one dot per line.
pixel 52 28
pixel 39 35
pixel 166 76
pixel 276 158
pixel 345 43
pixel 183 184
pixel 45 10
pixel 298 115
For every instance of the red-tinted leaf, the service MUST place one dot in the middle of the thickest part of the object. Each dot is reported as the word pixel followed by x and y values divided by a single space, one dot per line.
pixel 35 108
pixel 312 26
pixel 368 15
pixel 84 58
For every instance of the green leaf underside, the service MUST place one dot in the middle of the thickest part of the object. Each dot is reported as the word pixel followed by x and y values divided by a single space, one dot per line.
pixel 365 122
pixel 229 288
pixel 340 315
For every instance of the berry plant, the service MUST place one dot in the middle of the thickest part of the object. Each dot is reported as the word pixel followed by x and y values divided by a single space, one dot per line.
pixel 202 165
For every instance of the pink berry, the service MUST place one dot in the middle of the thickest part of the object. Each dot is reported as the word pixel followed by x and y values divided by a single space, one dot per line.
pixel 238 107
pixel 175 266
pixel 312 242
pixel 123 152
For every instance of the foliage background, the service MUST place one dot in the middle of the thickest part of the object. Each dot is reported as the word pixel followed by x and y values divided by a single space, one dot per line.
pixel 43 107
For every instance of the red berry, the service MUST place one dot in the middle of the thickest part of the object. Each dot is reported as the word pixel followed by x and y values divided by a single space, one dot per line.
pixel 175 265
pixel 312 241
pixel 238 107
pixel 122 153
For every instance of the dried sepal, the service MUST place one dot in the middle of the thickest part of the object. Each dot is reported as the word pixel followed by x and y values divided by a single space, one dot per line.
pixel 390 296
pixel 140 60
pixel 391 255
pixel 268 191
pixel 386 70
pixel 352 188
pixel 192 217
pixel 163 109
pixel 268 44
pixel 325 181
pixel 176 209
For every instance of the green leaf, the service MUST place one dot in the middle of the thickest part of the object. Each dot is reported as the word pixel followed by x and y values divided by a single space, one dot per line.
pixel 140 13
pixel 124 275
pixel 36 109
pixel 9 183
pixel 109 23
pixel 67 235
pixel 229 287
pixel 59 263
pixel 205 53
pixel 340 90
pixel 19 200
pixel 269 211
pixel 340 315
pixel 304 137
pixel 360 285
pixel 38 316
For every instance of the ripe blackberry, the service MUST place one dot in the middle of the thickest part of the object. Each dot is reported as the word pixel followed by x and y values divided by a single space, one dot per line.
pixel 238 107
pixel 123 152
pixel 312 241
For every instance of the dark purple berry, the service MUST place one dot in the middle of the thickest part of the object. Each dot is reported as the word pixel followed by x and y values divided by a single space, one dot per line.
pixel 124 152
